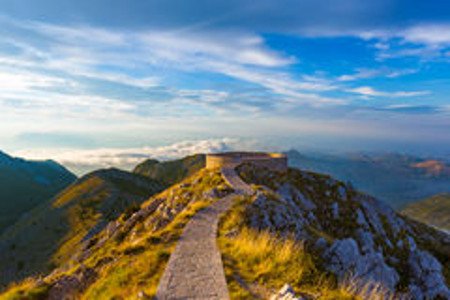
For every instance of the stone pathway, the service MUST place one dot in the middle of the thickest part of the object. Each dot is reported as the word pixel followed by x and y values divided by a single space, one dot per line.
pixel 195 269
pixel 233 179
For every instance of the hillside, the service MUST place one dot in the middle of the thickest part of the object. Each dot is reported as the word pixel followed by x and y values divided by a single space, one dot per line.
pixel 393 178
pixel 48 235
pixel 130 254
pixel 25 184
pixel 317 234
pixel 173 171
pixel 434 211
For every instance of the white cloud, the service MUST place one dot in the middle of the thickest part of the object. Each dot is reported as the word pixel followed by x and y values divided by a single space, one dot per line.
pixel 429 34
pixel 370 73
pixel 82 160
pixel 89 51
pixel 369 91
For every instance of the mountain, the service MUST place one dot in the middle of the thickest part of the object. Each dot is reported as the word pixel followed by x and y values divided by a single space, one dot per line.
pixel 394 178
pixel 433 167
pixel 25 184
pixel 318 234
pixel 173 171
pixel 434 211
pixel 48 235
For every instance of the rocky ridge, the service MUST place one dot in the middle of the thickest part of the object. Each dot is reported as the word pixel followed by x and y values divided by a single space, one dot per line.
pixel 362 241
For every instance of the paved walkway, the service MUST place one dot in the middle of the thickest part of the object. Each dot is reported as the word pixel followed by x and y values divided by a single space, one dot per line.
pixel 195 269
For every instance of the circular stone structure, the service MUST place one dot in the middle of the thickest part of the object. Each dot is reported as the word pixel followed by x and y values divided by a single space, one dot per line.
pixel 272 161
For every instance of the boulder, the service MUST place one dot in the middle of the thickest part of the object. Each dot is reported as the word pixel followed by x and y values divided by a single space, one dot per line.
pixel 285 293
pixel 344 259
pixel 427 275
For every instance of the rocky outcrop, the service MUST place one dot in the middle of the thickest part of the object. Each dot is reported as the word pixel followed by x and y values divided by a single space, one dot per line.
pixel 427 281
pixel 367 245
pixel 69 287
pixel 285 293
pixel 365 272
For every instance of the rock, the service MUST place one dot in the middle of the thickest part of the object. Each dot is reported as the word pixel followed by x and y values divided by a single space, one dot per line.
pixel 111 228
pixel 142 295
pixel 303 202
pixel 360 219
pixel 341 256
pixel 342 193
pixel 335 210
pixel 321 244
pixel 365 240
pixel 344 259
pixel 213 193
pixel 286 293
pixel 427 275
pixel 411 243
pixel 69 287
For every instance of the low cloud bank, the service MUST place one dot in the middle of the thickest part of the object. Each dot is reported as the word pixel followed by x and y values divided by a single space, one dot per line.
pixel 82 161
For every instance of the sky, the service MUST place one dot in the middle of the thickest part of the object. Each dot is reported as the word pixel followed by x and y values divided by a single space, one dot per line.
pixel 98 83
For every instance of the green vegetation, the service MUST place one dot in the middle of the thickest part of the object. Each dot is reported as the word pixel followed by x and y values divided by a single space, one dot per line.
pixel 26 184
pixel 132 260
pixel 173 171
pixel 52 232
pixel 434 211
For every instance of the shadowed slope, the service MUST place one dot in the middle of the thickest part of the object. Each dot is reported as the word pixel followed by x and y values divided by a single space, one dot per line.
pixel 25 184
pixel 48 235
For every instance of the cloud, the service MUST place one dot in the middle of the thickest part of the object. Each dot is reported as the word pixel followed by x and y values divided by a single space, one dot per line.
pixel 82 160
pixel 74 56
pixel 427 34
pixel 412 109
pixel 369 91
pixel 371 73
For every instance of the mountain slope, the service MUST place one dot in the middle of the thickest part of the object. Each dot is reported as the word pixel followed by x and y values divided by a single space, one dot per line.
pixel 327 225
pixel 318 234
pixel 434 211
pixel 173 171
pixel 25 184
pixel 47 236
pixel 394 178
pixel 128 257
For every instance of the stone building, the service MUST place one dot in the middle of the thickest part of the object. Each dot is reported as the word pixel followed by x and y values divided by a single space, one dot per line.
pixel 272 161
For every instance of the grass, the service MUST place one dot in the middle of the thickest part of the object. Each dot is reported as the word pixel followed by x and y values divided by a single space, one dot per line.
pixel 27 289
pixel 258 263
pixel 140 263
pixel 135 262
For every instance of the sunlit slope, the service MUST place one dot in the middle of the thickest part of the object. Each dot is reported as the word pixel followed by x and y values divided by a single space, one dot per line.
pixel 434 211
pixel 48 235
pixel 173 171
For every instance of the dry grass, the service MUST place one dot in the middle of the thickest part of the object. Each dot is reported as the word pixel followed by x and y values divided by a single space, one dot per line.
pixel 26 289
pixel 259 263
pixel 135 262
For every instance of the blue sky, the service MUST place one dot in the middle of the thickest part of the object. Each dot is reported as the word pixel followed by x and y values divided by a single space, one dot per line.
pixel 112 81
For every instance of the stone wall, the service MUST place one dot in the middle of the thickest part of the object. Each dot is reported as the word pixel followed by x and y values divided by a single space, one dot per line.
pixel 273 161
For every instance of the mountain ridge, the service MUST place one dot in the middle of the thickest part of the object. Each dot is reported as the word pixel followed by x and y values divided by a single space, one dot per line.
pixel 311 229
pixel 434 211
pixel 25 184
pixel 61 224
pixel 390 177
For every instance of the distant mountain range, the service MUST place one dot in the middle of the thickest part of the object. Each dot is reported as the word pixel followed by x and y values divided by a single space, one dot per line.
pixel 394 178
pixel 434 211
pixel 24 184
